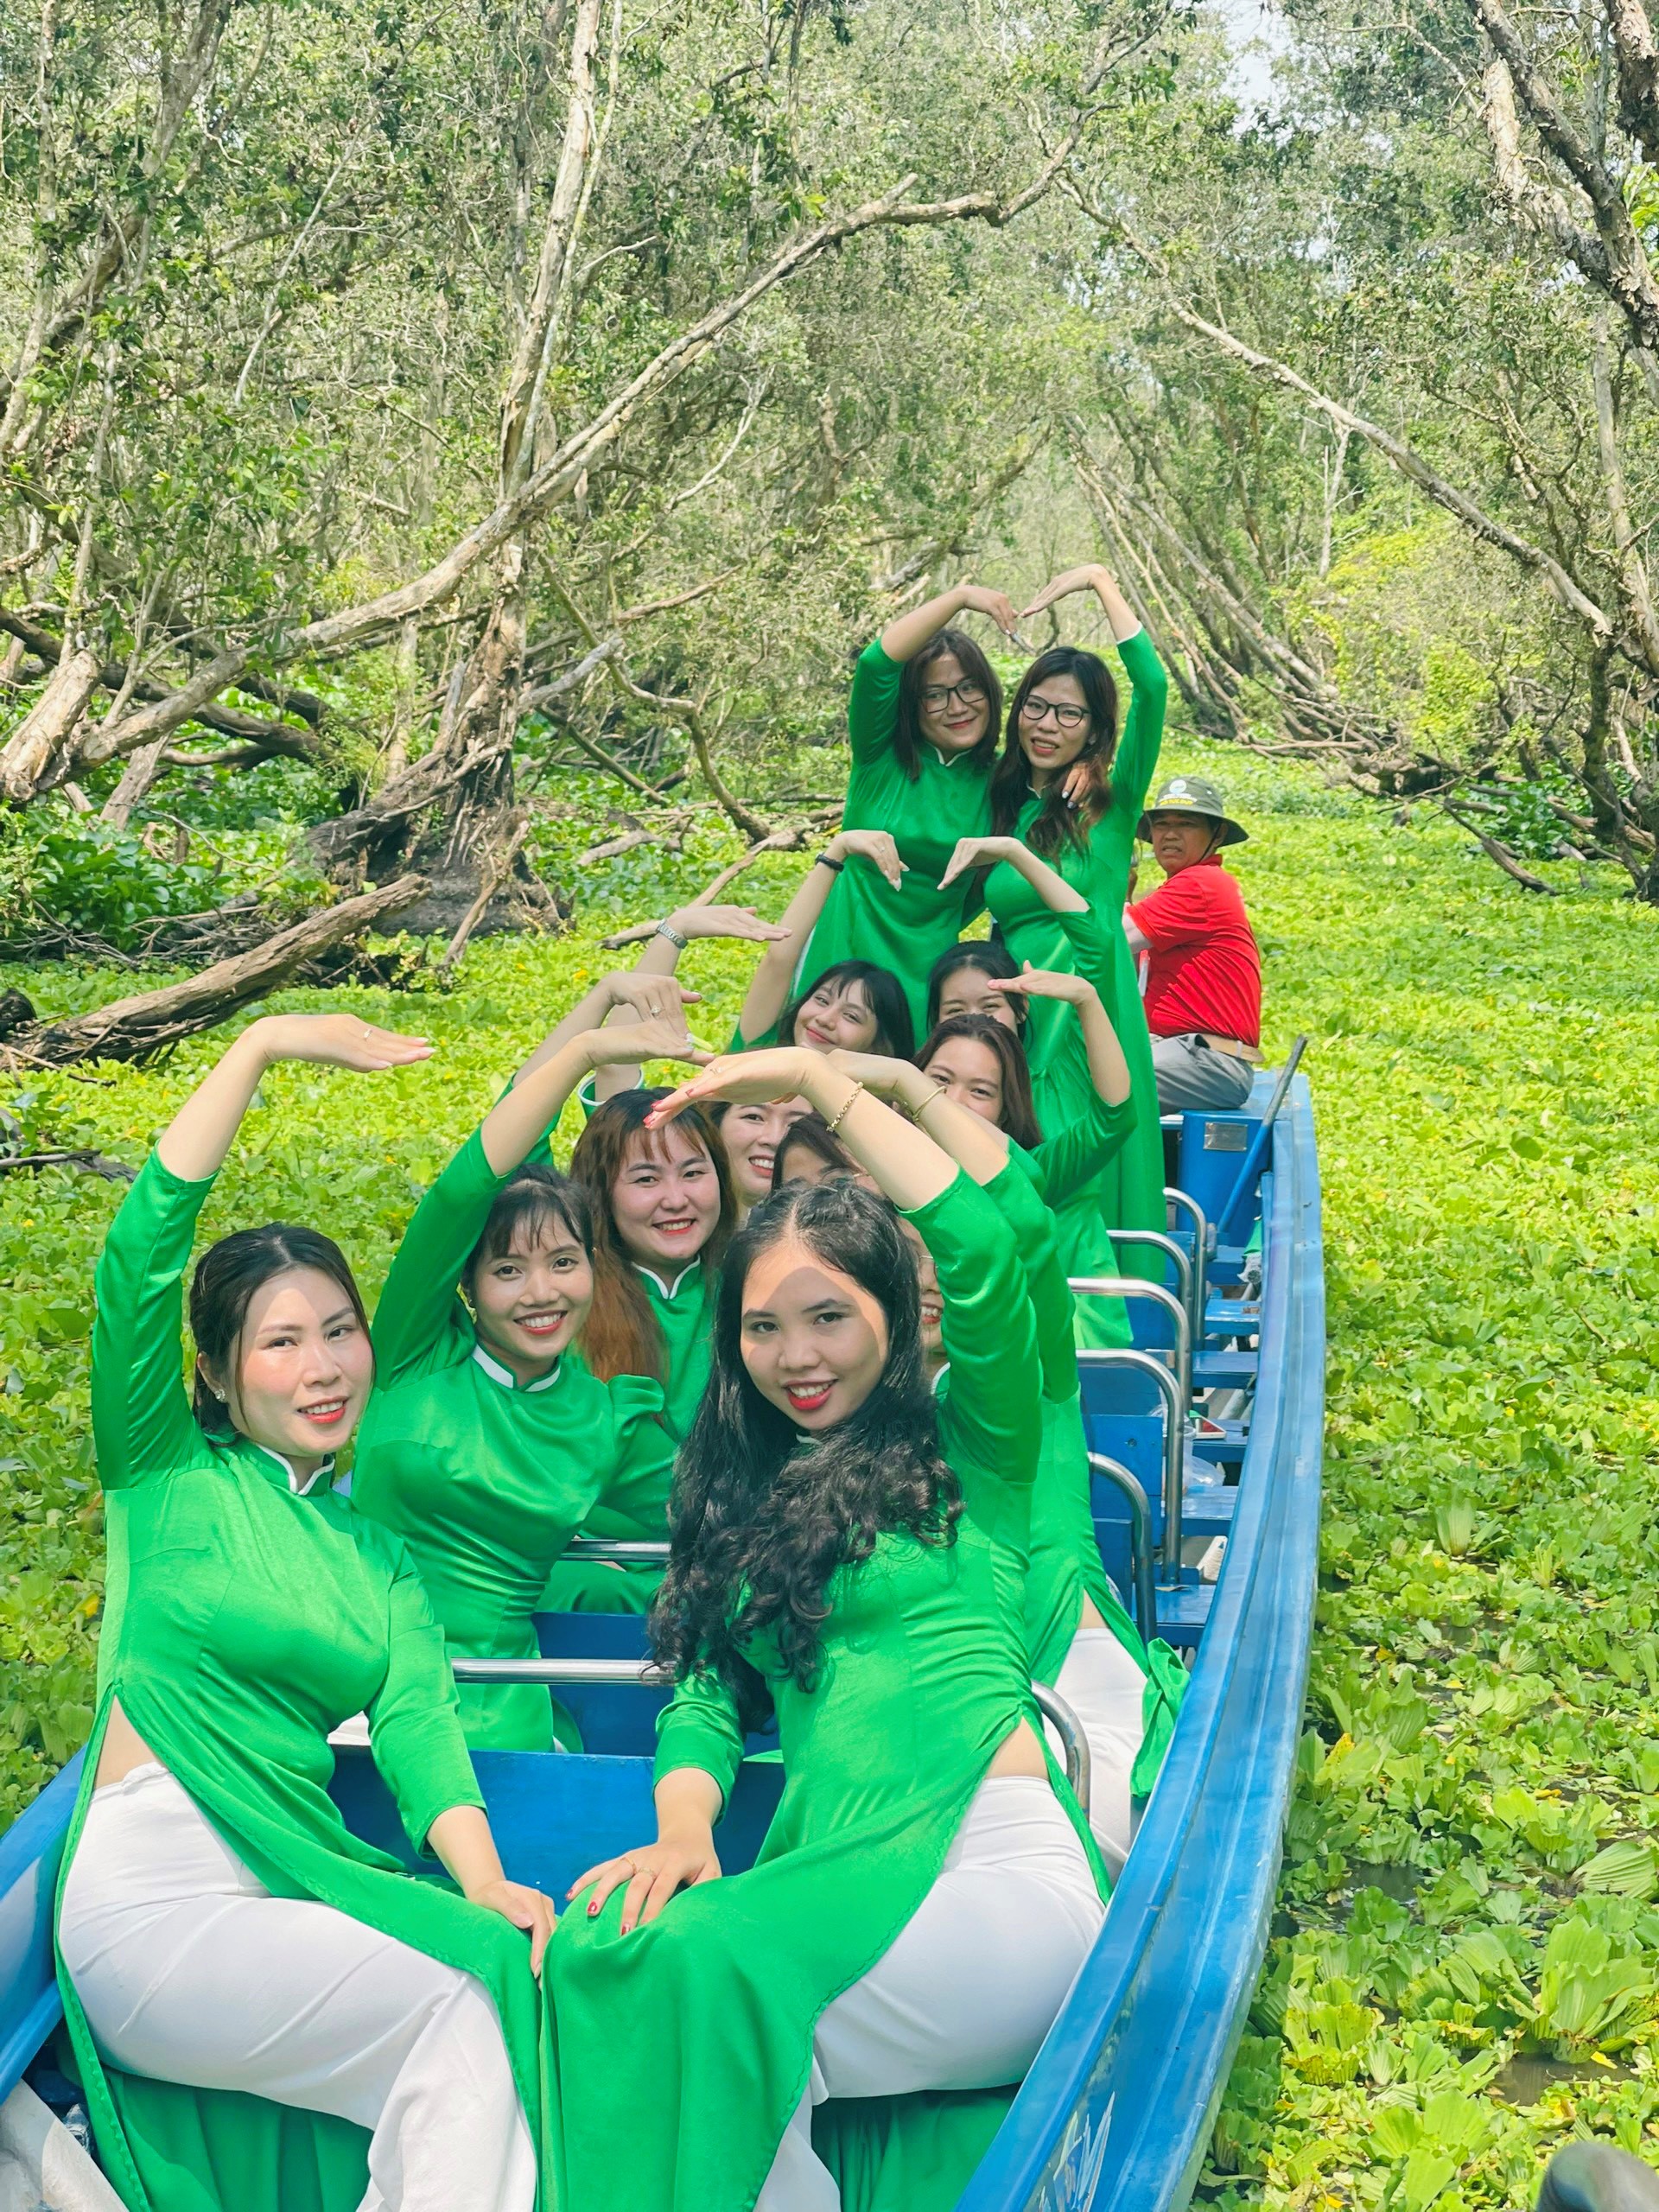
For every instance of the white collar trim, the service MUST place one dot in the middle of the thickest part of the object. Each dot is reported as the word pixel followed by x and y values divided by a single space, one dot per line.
pixel 669 1289
pixel 939 1380
pixel 297 1488
pixel 507 1379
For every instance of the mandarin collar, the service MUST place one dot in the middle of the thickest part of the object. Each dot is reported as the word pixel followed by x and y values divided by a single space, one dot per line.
pixel 508 1380
pixel 294 1486
pixel 670 1290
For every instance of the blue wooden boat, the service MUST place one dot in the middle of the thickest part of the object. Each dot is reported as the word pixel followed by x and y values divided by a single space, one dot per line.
pixel 1118 2107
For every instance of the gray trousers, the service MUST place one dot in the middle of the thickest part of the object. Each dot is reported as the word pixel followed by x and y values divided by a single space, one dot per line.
pixel 1194 1078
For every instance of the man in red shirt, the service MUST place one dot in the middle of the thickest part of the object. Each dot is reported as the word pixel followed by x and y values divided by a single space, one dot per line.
pixel 1203 977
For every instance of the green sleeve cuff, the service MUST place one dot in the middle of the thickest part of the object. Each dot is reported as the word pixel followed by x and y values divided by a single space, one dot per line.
pixel 418 1820
pixel 699 1729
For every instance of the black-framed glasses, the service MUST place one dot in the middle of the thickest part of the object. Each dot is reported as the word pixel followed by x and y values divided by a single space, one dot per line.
pixel 938 696
pixel 1066 717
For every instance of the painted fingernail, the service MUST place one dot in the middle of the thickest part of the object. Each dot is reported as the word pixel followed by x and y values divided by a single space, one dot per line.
pixel 592 1912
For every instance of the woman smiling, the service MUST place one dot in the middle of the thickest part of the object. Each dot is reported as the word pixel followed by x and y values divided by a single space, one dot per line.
pixel 226 1945
pixel 846 1552
pixel 486 1446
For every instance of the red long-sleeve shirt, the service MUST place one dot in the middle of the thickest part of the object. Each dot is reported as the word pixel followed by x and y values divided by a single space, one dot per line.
pixel 1205 972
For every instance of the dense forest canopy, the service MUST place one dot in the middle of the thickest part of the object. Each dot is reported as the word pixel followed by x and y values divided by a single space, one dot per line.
pixel 420 429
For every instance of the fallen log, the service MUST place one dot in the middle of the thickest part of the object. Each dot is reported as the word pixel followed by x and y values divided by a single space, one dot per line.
pixel 133 1028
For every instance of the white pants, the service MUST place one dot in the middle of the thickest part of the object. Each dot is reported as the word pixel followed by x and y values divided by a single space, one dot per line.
pixel 967 1992
pixel 188 1970
pixel 1103 1687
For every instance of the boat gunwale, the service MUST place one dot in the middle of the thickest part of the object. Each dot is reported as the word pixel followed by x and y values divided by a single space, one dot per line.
pixel 1065 2141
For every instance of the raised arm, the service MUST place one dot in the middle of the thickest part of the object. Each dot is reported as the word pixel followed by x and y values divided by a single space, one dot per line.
pixel 1109 1071
pixel 416 1312
pixel 989 1330
pixel 992 1420
pixel 1074 1155
pixel 906 634
pixel 902 1161
pixel 661 956
pixel 642 992
pixel 1051 886
pixel 976 1145
pixel 770 991
pixel 1137 749
pixel 141 1422
pixel 1136 759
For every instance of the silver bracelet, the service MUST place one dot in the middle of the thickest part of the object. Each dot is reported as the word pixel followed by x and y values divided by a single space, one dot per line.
pixel 668 930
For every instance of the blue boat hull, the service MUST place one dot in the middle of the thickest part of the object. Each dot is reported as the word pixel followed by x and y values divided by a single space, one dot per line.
pixel 1118 2107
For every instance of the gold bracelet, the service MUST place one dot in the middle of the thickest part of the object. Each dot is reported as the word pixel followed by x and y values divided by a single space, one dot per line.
pixel 844 1109
pixel 939 1091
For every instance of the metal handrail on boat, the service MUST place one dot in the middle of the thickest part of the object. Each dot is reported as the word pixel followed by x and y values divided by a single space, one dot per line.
pixel 567 1673
pixel 1145 1362
pixel 1158 1241
pixel 1137 1287
pixel 617 1551
pixel 1173 1197
pixel 1141 1545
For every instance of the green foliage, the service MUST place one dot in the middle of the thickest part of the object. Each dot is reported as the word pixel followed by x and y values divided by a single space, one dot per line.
pixel 104 882
pixel 1465 1963
pixel 1466 1960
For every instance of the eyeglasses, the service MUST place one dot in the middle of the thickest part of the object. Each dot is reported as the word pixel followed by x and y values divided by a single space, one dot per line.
pixel 936 695
pixel 1036 710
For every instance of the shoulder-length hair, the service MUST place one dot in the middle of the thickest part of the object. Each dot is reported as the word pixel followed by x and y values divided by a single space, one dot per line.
pixel 762 1517
pixel 895 1033
pixel 1058 822
pixel 622 1335
pixel 1018 1119
pixel 228 1275
pixel 991 957
pixel 907 739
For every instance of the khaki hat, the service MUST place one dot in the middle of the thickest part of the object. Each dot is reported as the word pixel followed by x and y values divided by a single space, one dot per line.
pixel 1194 795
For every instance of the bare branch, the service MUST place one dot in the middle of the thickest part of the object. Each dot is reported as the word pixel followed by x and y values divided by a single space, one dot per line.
pixel 1620 268
pixel 1405 458
pixel 133 1028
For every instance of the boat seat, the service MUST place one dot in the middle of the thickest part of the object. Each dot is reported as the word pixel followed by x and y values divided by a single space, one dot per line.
pixel 617 1719
pixel 553 1819
pixel 1230 1368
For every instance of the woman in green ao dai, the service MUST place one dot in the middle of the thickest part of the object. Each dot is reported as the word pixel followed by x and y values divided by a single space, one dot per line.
pixel 268 2014
pixel 850 1556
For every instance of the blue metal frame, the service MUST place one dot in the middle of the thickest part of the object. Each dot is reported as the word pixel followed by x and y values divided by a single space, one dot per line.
pixel 1117 2109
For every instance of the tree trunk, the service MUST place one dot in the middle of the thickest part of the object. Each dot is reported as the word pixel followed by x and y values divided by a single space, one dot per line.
pixel 45 734
pixel 134 1028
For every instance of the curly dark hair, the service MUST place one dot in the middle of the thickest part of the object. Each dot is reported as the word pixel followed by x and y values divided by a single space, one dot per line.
pixel 761 1517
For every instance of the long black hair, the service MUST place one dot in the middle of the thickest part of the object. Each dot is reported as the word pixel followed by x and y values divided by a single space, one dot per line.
pixel 1057 820
pixel 991 957
pixel 762 1517
pixel 227 1276
pixel 907 738
pixel 1018 1118
pixel 895 1033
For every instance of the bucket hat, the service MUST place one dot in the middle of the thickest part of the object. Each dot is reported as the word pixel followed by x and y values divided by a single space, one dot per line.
pixel 1194 795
